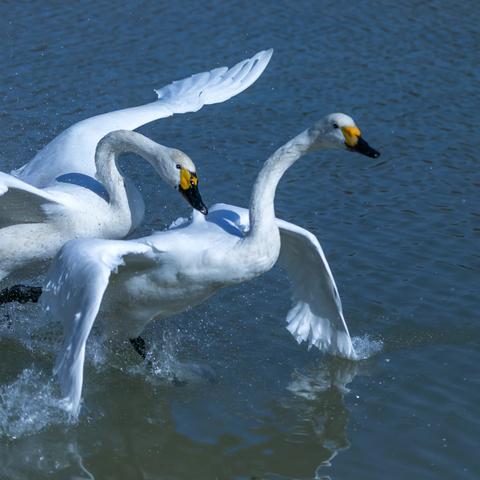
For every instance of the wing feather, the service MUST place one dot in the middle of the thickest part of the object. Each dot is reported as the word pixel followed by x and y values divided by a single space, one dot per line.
pixel 74 149
pixel 76 283
pixel 21 202
pixel 316 316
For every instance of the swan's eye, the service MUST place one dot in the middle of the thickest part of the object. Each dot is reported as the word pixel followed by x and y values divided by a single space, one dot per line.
pixel 335 125
pixel 178 166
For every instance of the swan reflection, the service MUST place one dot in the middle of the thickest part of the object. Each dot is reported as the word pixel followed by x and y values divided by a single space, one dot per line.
pixel 319 398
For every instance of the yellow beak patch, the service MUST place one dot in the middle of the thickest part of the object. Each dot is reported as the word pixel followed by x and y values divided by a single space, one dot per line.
pixel 351 134
pixel 187 179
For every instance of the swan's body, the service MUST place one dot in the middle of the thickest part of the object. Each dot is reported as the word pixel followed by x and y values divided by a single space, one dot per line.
pixel 54 215
pixel 167 272
pixel 57 196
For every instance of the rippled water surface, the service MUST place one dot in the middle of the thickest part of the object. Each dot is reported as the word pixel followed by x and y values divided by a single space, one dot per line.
pixel 231 394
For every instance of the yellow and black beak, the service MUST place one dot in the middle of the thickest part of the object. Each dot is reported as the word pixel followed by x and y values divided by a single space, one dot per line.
pixel 355 142
pixel 189 189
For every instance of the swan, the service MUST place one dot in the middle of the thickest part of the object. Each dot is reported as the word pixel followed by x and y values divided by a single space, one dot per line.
pixel 72 188
pixel 67 211
pixel 154 277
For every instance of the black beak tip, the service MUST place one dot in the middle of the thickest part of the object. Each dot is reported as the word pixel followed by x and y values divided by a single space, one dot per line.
pixel 365 149
pixel 192 195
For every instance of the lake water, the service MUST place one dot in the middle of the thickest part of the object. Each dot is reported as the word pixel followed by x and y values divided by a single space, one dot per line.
pixel 401 234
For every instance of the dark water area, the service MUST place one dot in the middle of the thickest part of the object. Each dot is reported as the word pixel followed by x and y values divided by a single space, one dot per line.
pixel 401 233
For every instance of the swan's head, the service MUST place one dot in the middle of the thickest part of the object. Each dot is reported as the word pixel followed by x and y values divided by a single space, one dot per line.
pixel 178 170
pixel 338 130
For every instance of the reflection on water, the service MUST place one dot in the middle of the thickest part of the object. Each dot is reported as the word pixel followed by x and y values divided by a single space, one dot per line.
pixel 322 390
pixel 73 449
pixel 293 428
pixel 308 409
pixel 333 373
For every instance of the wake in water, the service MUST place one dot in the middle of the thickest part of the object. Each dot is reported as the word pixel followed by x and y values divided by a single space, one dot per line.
pixel 31 402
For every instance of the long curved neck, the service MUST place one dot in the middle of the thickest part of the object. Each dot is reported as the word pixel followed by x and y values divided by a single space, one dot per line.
pixel 109 149
pixel 262 210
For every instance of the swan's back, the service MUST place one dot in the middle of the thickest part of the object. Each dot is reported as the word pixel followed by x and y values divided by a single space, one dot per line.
pixel 192 238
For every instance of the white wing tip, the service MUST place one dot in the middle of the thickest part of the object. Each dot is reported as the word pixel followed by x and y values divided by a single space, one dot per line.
pixel 318 332
pixel 266 54
pixel 258 63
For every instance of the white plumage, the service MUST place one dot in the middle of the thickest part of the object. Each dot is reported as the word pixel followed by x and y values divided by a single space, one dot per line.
pixel 57 195
pixel 167 272
pixel 74 149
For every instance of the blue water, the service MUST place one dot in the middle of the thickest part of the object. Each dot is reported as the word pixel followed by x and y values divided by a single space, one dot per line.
pixel 401 234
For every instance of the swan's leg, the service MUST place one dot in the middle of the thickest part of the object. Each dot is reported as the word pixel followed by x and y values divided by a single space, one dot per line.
pixel 139 346
pixel 21 294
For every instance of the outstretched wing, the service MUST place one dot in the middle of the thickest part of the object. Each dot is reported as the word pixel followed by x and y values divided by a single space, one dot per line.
pixel 317 315
pixel 75 285
pixel 24 203
pixel 74 149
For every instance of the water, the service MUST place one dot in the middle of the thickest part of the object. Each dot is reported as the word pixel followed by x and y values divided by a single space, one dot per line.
pixel 401 234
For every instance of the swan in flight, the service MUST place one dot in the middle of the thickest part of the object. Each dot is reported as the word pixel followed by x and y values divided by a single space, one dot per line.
pixel 165 273
pixel 72 189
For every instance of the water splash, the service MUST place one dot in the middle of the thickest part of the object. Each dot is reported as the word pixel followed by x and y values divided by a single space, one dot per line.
pixel 164 366
pixel 29 404
pixel 27 324
pixel 366 347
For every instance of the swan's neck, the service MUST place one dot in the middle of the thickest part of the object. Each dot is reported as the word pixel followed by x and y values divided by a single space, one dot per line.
pixel 262 211
pixel 109 149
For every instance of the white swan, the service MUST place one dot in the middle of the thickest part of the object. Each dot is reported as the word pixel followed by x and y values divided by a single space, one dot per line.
pixel 54 215
pixel 55 197
pixel 165 273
